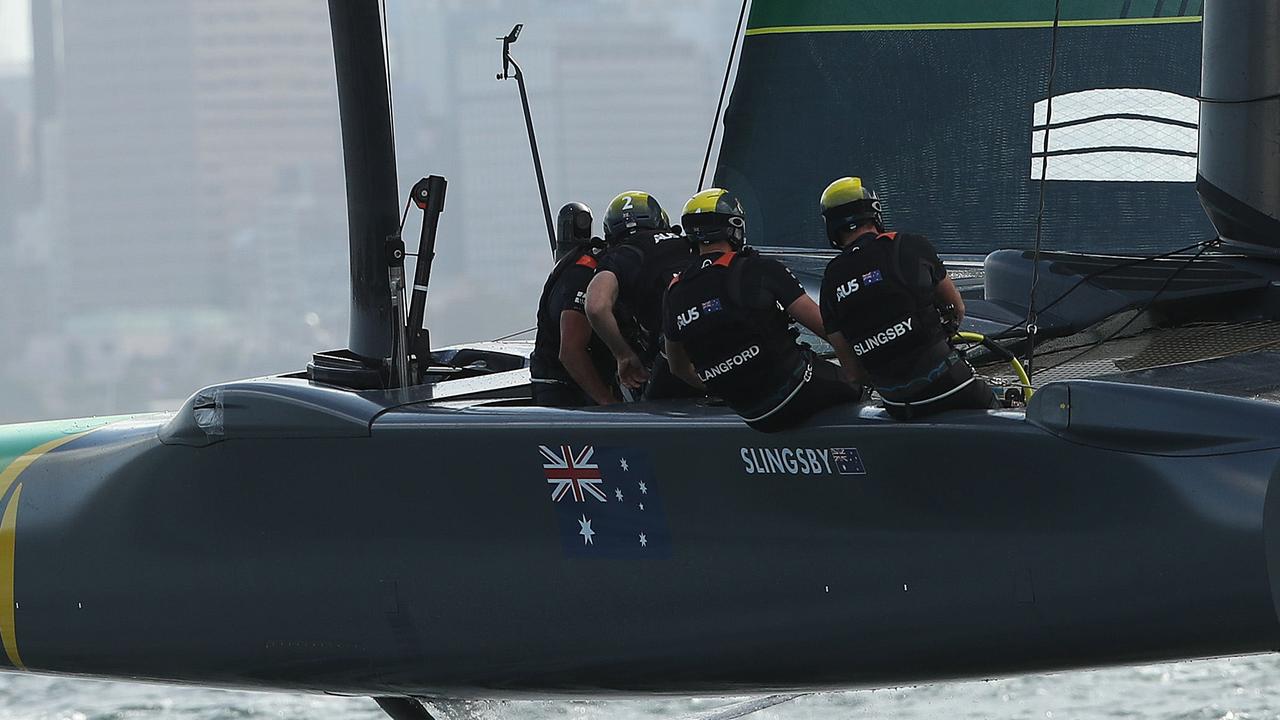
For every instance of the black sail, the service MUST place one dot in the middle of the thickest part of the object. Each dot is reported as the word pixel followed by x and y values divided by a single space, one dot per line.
pixel 940 105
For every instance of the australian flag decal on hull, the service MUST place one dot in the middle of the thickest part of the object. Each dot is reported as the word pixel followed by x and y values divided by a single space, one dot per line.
pixel 606 502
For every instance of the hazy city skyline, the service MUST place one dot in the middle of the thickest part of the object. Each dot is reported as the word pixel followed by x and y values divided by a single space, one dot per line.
pixel 174 216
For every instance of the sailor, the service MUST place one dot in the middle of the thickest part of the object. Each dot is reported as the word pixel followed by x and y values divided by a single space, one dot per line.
pixel 881 299
pixel 644 253
pixel 727 320
pixel 570 366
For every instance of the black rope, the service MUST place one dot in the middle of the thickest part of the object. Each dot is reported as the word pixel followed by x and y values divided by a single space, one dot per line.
pixel 1219 101
pixel 391 107
pixel 1104 271
pixel 1145 306
pixel 724 89
pixel 1000 334
pixel 519 332
pixel 1032 324
pixel 404 215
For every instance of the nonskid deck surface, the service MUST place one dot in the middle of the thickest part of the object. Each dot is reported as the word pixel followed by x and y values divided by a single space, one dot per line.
pixel 1237 359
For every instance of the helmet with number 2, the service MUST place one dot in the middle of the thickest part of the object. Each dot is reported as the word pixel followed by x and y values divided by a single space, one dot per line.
pixel 630 212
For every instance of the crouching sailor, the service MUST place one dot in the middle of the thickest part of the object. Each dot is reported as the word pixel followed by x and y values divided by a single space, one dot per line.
pixel 643 253
pixel 570 365
pixel 879 301
pixel 726 328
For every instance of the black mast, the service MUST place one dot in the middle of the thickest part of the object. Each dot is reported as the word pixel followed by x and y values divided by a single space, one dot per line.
pixel 1238 173
pixel 370 162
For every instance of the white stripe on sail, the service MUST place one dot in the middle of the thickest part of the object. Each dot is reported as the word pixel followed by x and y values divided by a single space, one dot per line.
pixel 1115 133
pixel 1110 101
pixel 1119 166
pixel 1118 149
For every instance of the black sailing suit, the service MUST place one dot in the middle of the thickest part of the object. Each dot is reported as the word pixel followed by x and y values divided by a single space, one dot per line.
pixel 879 294
pixel 565 290
pixel 727 310
pixel 644 264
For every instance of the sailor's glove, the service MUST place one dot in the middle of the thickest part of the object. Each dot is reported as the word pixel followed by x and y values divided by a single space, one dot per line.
pixel 950 323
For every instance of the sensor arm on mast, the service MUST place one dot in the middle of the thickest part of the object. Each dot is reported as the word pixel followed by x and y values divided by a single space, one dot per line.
pixel 511 69
pixel 428 194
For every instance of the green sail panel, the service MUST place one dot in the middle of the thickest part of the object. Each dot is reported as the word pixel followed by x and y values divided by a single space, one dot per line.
pixel 836 15
pixel 941 106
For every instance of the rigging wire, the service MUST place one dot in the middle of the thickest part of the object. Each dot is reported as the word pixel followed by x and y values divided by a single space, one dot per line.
pixel 405 215
pixel 1145 306
pixel 1242 101
pixel 391 107
pixel 514 334
pixel 1032 325
pixel 1104 271
pixel 724 88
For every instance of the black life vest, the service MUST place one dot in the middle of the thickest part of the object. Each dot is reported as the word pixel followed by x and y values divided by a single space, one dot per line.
pixel 745 355
pixel 544 362
pixel 662 255
pixel 890 320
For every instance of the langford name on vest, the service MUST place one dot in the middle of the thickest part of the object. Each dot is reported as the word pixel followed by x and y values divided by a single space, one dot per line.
pixel 723 367
pixel 888 335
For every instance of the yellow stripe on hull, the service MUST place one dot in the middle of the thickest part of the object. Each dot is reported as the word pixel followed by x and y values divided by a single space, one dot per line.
pixel 8 542
pixel 16 467
pixel 8 605
pixel 999 25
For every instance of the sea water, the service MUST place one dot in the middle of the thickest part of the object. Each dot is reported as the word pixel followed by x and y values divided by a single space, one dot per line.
pixel 1227 689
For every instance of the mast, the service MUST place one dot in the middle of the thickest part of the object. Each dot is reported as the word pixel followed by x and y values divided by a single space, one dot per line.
pixel 1238 173
pixel 369 158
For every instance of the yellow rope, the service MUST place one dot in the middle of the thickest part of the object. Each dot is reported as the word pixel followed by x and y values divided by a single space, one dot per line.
pixel 1014 363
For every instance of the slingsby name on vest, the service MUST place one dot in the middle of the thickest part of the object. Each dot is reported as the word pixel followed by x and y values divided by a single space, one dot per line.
pixel 802 461
pixel 885 336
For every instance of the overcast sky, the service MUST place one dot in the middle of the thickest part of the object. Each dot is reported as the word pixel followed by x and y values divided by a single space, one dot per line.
pixel 15 35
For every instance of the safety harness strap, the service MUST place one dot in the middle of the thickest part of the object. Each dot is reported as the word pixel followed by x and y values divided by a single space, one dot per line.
pixel 722 261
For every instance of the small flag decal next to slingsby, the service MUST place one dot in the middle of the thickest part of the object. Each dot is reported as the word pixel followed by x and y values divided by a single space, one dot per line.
pixel 848 461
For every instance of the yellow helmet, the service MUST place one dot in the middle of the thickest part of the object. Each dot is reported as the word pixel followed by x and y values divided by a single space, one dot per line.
pixel 714 215
pixel 846 204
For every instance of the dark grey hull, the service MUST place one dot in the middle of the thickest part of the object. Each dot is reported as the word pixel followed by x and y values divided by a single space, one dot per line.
pixel 417 549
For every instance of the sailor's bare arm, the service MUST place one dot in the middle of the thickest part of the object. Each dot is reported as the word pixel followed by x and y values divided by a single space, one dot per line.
pixel 575 335
pixel 806 312
pixel 947 294
pixel 602 293
pixel 850 367
pixel 681 365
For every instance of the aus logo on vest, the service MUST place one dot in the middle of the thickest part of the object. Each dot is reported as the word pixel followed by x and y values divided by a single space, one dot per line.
pixel 856 284
pixel 697 311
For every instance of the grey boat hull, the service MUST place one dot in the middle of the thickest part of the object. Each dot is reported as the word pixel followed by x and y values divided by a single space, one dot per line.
pixel 415 548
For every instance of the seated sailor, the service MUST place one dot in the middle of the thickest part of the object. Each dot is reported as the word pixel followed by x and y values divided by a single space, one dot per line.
pixel 880 304
pixel 643 253
pixel 570 366
pixel 727 327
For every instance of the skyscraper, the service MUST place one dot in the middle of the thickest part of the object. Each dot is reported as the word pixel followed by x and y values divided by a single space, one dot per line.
pixel 620 101
pixel 126 156
pixel 174 120
pixel 8 178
